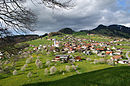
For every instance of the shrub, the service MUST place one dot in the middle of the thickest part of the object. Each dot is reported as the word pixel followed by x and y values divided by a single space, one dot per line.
pixel 15 72
pixel 77 66
pixel 39 64
pixel 54 34
pixel 21 45
pixel 110 62
pixel 88 59
pixel 67 68
pixel 73 67
pixel 53 70
pixel 48 63
pixel 95 61
pixel 102 61
pixel 7 69
pixel 46 71
pixel 6 62
pixel 13 64
pixel 37 60
pixel 23 67
pixel 28 60
pixel 77 72
pixel 29 74
pixel 1 71
pixel 63 73
pixel 61 70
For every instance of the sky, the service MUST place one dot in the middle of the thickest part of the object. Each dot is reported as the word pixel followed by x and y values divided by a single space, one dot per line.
pixel 85 15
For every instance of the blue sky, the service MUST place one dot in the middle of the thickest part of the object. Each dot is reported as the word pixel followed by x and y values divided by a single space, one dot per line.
pixel 122 3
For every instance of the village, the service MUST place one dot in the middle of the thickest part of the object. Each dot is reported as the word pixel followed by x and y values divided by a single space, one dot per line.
pixel 65 49
pixel 64 56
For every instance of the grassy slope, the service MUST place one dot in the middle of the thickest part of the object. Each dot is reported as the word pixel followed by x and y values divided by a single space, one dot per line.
pixel 117 76
pixel 38 74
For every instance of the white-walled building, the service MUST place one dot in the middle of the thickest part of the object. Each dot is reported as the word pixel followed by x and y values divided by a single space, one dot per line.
pixel 56 43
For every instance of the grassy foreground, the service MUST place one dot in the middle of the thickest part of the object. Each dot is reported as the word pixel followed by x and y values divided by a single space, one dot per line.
pixel 115 76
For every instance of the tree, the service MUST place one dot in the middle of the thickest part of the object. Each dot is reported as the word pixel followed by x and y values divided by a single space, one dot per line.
pixel 67 68
pixel 15 72
pixel 29 74
pixel 4 32
pixel 13 12
pixel 53 70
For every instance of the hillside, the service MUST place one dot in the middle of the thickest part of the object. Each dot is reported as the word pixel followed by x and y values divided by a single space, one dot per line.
pixel 66 31
pixel 118 76
pixel 112 30
pixel 91 70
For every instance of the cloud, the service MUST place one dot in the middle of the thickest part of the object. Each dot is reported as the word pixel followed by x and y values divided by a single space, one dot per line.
pixel 87 14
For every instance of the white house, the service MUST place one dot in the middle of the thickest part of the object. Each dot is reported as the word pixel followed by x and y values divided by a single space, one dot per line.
pixel 39 47
pixel 117 57
pixel 111 54
pixel 113 48
pixel 123 62
pixel 95 51
pixel 108 48
pixel 1 55
pixel 117 53
pixel 56 43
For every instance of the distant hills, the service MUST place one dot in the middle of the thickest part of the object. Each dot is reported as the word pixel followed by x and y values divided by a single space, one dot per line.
pixel 66 31
pixel 111 30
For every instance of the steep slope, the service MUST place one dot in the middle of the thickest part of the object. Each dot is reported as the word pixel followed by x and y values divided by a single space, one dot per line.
pixel 117 76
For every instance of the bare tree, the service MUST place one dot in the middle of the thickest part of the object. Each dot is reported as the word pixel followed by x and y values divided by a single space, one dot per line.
pixel 14 14
pixel 4 32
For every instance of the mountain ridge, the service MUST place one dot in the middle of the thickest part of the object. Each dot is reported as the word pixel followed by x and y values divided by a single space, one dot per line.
pixel 113 30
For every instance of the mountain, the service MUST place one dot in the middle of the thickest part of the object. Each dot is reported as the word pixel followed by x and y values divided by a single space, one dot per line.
pixel 66 31
pixel 112 30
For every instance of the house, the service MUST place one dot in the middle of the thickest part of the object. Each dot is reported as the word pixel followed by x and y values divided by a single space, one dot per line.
pixel 123 62
pixel 113 48
pixel 63 58
pixel 84 47
pixel 56 43
pixel 109 53
pixel 1 55
pixel 44 47
pixel 87 52
pixel 117 57
pixel 95 51
pixel 77 58
pixel 108 48
pixel 102 54
pixel 39 47
pixel 100 49
pixel 117 53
